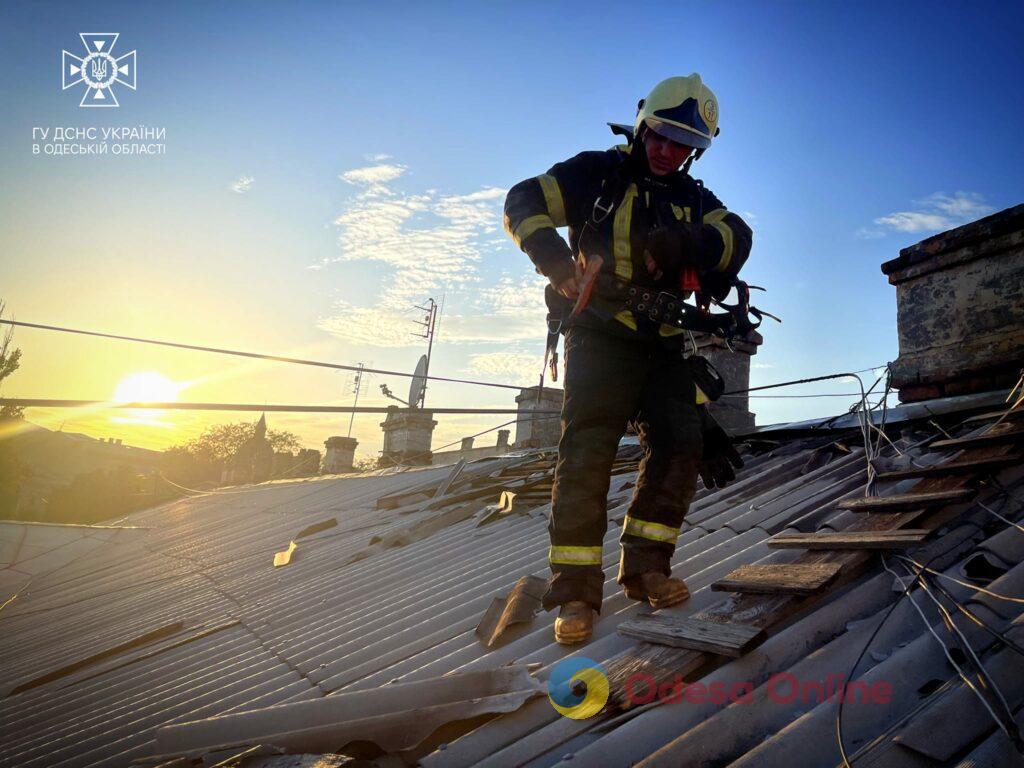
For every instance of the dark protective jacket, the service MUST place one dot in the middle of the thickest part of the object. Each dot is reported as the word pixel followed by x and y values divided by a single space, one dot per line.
pixel 566 196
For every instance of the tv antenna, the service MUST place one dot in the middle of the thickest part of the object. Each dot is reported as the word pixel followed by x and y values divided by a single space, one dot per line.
pixel 418 388
pixel 357 388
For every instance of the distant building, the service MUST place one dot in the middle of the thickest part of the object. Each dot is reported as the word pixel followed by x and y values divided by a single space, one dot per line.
pixel 469 453
pixel 254 461
pixel 340 454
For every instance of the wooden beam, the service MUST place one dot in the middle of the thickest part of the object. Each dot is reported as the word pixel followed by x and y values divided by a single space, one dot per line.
pixel 779 578
pixel 989 438
pixel 907 501
pixel 845 540
pixel 1018 413
pixel 723 639
pixel 954 468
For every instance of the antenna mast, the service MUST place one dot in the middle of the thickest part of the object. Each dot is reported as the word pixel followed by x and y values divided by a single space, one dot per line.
pixel 357 386
pixel 428 324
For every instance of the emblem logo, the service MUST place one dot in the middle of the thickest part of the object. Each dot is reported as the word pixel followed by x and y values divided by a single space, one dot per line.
pixel 98 69
pixel 710 111
pixel 578 687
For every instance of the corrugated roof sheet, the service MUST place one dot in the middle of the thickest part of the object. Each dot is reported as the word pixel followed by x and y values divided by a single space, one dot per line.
pixel 395 594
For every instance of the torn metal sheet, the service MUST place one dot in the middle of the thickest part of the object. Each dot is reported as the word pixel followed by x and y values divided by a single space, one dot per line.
pixel 395 717
pixel 442 489
pixel 521 604
pixel 285 557
pixel 323 525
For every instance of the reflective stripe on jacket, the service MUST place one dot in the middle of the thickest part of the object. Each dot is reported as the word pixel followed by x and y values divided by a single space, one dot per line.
pixel 565 196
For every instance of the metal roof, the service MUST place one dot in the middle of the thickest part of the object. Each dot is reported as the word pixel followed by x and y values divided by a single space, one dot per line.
pixel 185 617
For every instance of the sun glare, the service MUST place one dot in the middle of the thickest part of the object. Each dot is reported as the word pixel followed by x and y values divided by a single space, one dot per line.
pixel 146 387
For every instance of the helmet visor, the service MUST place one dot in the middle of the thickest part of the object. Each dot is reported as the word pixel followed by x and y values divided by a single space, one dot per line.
pixel 678 134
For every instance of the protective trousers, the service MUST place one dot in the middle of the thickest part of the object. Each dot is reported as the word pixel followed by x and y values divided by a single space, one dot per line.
pixel 610 381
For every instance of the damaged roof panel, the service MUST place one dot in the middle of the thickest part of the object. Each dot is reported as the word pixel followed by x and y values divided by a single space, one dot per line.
pixel 395 593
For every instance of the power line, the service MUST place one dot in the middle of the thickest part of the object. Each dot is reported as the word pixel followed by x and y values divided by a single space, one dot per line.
pixel 802 381
pixel 254 355
pixel 30 402
pixel 339 366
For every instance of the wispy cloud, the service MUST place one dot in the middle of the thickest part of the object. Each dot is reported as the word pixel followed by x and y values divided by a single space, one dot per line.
pixel 242 184
pixel 508 367
pixel 373 178
pixel 427 242
pixel 934 213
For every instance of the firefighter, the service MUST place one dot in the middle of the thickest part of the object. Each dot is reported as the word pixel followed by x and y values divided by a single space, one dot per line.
pixel 636 214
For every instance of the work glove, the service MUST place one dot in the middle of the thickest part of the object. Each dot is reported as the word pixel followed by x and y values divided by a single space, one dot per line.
pixel 671 248
pixel 720 460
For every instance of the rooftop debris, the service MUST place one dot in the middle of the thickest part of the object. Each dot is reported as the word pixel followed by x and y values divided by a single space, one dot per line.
pixel 519 606
pixel 779 578
pixel 394 717
pixel 840 540
pixel 340 625
pixel 722 638
pixel 284 557
pixel 770 612
pixel 442 489
pixel 907 501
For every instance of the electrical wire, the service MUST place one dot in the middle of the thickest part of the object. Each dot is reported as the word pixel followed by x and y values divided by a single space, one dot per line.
pixel 1000 636
pixel 998 516
pixel 1007 722
pixel 341 367
pixel 945 648
pixel 888 614
pixel 960 582
pixel 254 355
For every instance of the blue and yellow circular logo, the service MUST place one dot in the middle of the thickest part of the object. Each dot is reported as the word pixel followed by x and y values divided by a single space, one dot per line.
pixel 578 687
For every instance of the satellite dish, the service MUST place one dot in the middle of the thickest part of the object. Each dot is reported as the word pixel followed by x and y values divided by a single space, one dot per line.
pixel 419 383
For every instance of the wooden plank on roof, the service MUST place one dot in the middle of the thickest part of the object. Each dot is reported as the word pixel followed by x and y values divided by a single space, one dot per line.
pixel 1017 413
pixel 840 540
pixel 978 441
pixel 724 639
pixel 907 501
pixel 774 612
pixel 779 578
pixel 954 468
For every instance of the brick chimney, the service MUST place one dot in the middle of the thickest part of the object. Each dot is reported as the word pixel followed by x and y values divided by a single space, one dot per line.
pixel 960 309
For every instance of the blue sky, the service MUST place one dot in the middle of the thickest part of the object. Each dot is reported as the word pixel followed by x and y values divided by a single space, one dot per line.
pixel 378 139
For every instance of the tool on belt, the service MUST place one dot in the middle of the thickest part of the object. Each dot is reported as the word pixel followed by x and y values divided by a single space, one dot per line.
pixel 607 295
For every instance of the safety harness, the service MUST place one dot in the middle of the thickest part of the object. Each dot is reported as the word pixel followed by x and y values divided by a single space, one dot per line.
pixel 606 295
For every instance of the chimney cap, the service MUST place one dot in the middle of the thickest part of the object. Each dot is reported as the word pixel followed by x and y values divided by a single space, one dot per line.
pixel 996 225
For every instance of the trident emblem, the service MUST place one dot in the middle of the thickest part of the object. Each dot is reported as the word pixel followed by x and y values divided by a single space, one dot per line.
pixel 98 69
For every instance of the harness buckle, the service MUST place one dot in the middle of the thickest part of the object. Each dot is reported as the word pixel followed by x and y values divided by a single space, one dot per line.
pixel 605 210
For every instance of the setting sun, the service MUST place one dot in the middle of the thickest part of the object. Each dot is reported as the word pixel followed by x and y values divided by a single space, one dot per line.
pixel 146 387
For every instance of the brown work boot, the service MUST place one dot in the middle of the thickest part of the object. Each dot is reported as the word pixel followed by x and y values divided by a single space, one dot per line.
pixel 657 589
pixel 575 623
